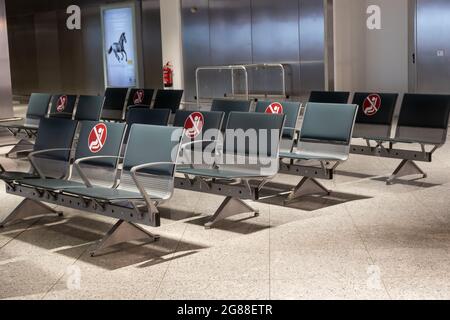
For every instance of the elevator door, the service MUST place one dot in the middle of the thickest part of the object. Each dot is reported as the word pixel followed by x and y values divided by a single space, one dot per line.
pixel 432 49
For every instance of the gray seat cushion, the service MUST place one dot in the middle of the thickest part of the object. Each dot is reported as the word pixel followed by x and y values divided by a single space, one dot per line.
pixel 15 176
pixel 217 173
pixel 52 184
pixel 322 156
pixel 107 194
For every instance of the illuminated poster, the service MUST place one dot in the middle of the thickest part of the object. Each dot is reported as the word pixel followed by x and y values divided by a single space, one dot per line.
pixel 119 43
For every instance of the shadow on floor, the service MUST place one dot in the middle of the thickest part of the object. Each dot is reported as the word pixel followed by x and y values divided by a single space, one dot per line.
pixel 417 182
pixel 276 194
pixel 242 226
pixel 313 203
pixel 74 237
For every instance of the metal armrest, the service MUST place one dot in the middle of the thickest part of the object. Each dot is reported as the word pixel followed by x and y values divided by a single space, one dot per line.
pixel 134 172
pixel 184 146
pixel 32 155
pixel 81 172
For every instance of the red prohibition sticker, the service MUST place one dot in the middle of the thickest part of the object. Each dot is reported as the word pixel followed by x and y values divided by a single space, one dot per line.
pixel 97 138
pixel 194 124
pixel 372 104
pixel 275 108
pixel 138 97
pixel 62 103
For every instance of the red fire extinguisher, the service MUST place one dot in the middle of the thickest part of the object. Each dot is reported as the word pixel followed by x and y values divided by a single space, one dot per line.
pixel 168 75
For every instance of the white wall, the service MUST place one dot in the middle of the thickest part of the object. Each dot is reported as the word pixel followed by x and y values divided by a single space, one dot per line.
pixel 371 60
pixel 172 39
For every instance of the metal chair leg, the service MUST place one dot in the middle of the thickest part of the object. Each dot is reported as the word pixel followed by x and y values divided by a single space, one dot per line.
pixel 28 208
pixel 405 168
pixel 20 147
pixel 307 186
pixel 122 232
pixel 230 207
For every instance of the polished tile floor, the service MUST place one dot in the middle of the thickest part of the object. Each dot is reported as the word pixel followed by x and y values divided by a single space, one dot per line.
pixel 365 241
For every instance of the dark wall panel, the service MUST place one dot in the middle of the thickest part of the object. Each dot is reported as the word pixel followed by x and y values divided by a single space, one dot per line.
pixel 47 57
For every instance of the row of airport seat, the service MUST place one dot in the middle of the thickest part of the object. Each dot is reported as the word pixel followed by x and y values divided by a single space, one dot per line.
pixel 420 130
pixel 118 100
pixel 111 107
pixel 325 137
pixel 95 183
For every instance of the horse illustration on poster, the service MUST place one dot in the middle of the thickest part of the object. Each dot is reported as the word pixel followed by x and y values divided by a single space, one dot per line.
pixel 119 48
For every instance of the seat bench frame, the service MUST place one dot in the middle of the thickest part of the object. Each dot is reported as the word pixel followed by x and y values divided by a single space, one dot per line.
pixel 235 192
pixel 309 185
pixel 408 166
pixel 129 213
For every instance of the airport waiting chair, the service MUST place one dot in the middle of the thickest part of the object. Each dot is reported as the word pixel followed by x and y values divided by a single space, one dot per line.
pixel 62 106
pixel 325 138
pixel 114 105
pixel 49 159
pixel 146 180
pixel 336 97
pixel 249 153
pixel 140 97
pixel 168 99
pixel 144 115
pixel 375 114
pixel 227 106
pixel 89 108
pixel 37 109
pixel 292 112
pixel 423 122
pixel 202 133
pixel 97 141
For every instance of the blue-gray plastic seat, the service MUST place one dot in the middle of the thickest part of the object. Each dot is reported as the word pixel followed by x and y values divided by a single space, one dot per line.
pixel 168 99
pixel 227 106
pixel 424 118
pixel 99 165
pixel 209 133
pixel 37 110
pixel 114 104
pixel 292 112
pixel 256 159
pixel 151 154
pixel 51 152
pixel 326 132
pixel 89 108
pixel 373 120
pixel 335 97
pixel 140 96
pixel 62 106
pixel 145 115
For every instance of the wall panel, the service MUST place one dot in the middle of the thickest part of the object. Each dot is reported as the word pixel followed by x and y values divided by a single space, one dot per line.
pixel 45 56
pixel 223 32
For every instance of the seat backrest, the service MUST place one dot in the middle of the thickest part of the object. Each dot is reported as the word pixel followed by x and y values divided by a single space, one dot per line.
pixel 329 96
pixel 168 99
pixel 140 97
pixel 198 126
pixel 55 133
pixel 227 106
pixel 144 115
pixel 114 104
pixel 89 108
pixel 292 112
pixel 210 121
pixel 62 106
pixel 100 139
pixel 37 108
pixel 375 114
pixel 327 128
pixel 424 118
pixel 152 144
pixel 253 141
